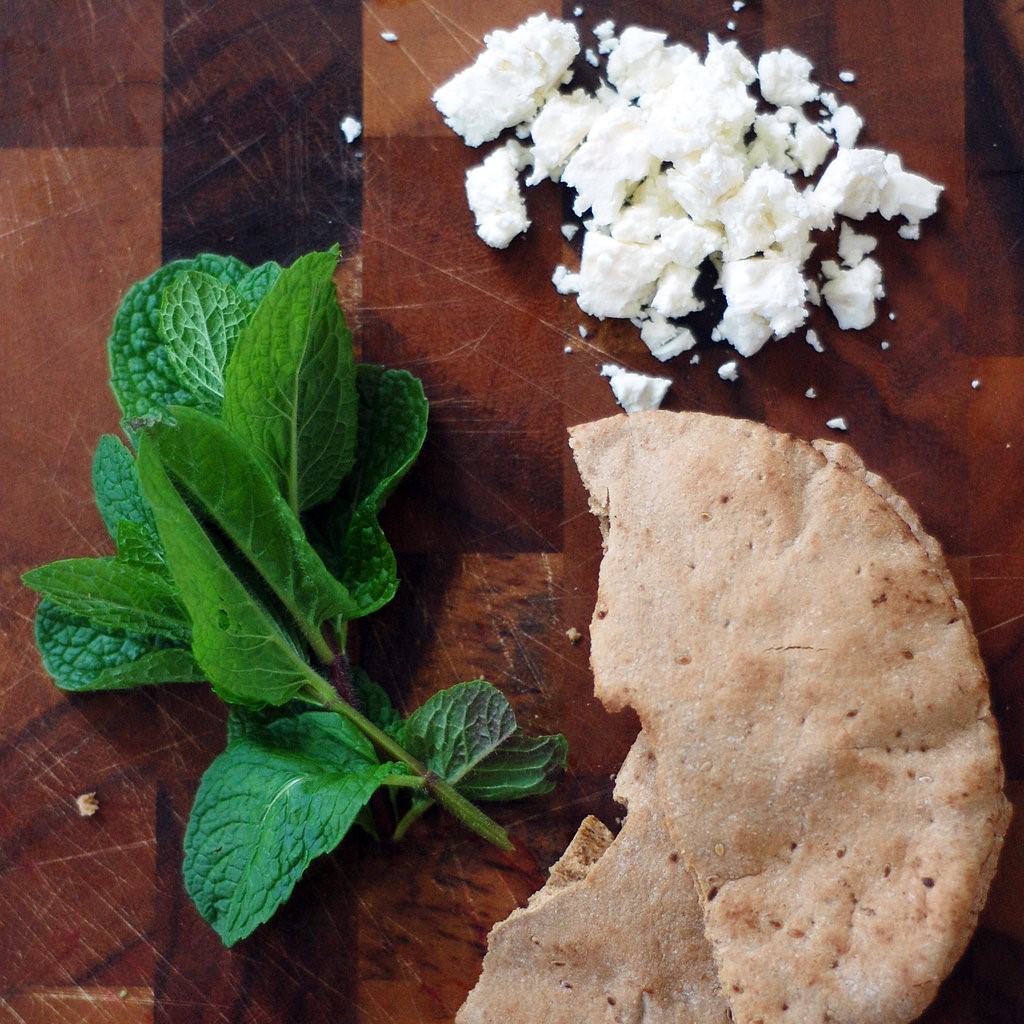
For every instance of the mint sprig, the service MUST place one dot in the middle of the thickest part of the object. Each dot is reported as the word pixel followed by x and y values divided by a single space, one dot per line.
pixel 245 517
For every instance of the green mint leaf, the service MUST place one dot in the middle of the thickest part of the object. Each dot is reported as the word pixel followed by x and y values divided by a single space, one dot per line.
pixel 277 798
pixel 199 319
pixel 221 478
pixel 245 652
pixel 289 388
pixel 115 595
pixel 467 734
pixel 115 483
pixel 521 766
pixel 137 546
pixel 392 426
pixel 141 374
pixel 81 656
pixel 255 285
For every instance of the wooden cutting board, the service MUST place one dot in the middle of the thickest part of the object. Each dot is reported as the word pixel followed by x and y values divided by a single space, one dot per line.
pixel 137 131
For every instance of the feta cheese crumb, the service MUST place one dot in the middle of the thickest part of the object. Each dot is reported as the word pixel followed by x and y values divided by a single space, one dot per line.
pixel 509 81
pixel 389 37
pixel 87 804
pixel 811 393
pixel 738 5
pixel 350 128
pixel 577 12
pixel 847 76
pixel 569 231
pixel 492 189
pixel 635 391
pixel 851 292
pixel 729 370
pixel 837 423
pixel 885 346
pixel 814 341
pixel 975 384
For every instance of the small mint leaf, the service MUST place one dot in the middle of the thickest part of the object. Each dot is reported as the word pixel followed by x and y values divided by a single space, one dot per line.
pixel 199 319
pixel 393 414
pixel 276 799
pixel 375 703
pixel 82 657
pixel 115 483
pixel 255 285
pixel 114 595
pixel 141 374
pixel 468 735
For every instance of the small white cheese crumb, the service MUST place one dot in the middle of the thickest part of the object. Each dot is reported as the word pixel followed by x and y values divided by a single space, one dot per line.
pixel 389 37
pixel 569 231
pixel 591 57
pixel 892 315
pixel 582 330
pixel 885 346
pixel 836 423
pixel 853 247
pixel 846 125
pixel 565 281
pixel 731 26
pixel 573 635
pixel 975 384
pixel 729 370
pixel 695 359
pixel 577 12
pixel 851 292
pixel 492 190
pixel 738 5
pixel 350 128
pixel 814 341
pixel 847 76
pixel 811 393
pixel 635 391
pixel 87 804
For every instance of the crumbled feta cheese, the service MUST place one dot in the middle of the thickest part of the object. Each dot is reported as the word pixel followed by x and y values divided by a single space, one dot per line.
pixel 812 339
pixel 577 12
pixel 665 339
pixel 729 370
pixel 738 5
pixel 389 37
pixel 837 423
pixel 351 128
pixel 583 332
pixel 811 393
pixel 569 231
pixel 852 183
pixel 510 80
pixel 885 346
pixel 635 391
pixel 617 279
pixel 846 125
pixel 785 78
pixel 975 384
pixel 847 76
pixel 853 246
pixel 764 296
pixel 679 170
pixel 851 292
pixel 492 189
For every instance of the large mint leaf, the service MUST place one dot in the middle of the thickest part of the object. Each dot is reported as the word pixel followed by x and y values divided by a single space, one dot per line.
pixel 115 483
pixel 81 656
pixel 220 477
pixel 393 414
pixel 141 374
pixel 115 595
pixel 277 798
pixel 199 319
pixel 468 735
pixel 244 650
pixel 289 389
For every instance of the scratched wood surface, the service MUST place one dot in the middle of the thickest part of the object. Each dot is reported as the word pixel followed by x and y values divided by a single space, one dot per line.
pixel 135 131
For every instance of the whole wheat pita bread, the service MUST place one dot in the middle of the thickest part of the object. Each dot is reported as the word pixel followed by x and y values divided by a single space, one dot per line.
pixel 810 684
pixel 615 935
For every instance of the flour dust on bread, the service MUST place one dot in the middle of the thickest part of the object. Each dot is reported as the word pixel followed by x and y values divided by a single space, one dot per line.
pixel 827 761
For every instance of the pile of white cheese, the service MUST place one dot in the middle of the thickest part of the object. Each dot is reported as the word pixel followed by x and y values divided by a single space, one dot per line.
pixel 678 163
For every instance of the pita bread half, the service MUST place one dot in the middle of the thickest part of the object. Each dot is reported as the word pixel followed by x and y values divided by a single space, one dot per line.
pixel 616 935
pixel 811 687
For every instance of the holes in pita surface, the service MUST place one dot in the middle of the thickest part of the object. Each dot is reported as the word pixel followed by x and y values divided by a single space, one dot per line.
pixel 841 852
pixel 888 871
pixel 928 883
pixel 673 857
pixel 777 925
pixel 611 1000
pixel 853 714
pixel 712 893
pixel 909 655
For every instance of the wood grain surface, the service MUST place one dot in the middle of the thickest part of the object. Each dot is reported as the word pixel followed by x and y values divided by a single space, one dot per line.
pixel 136 131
